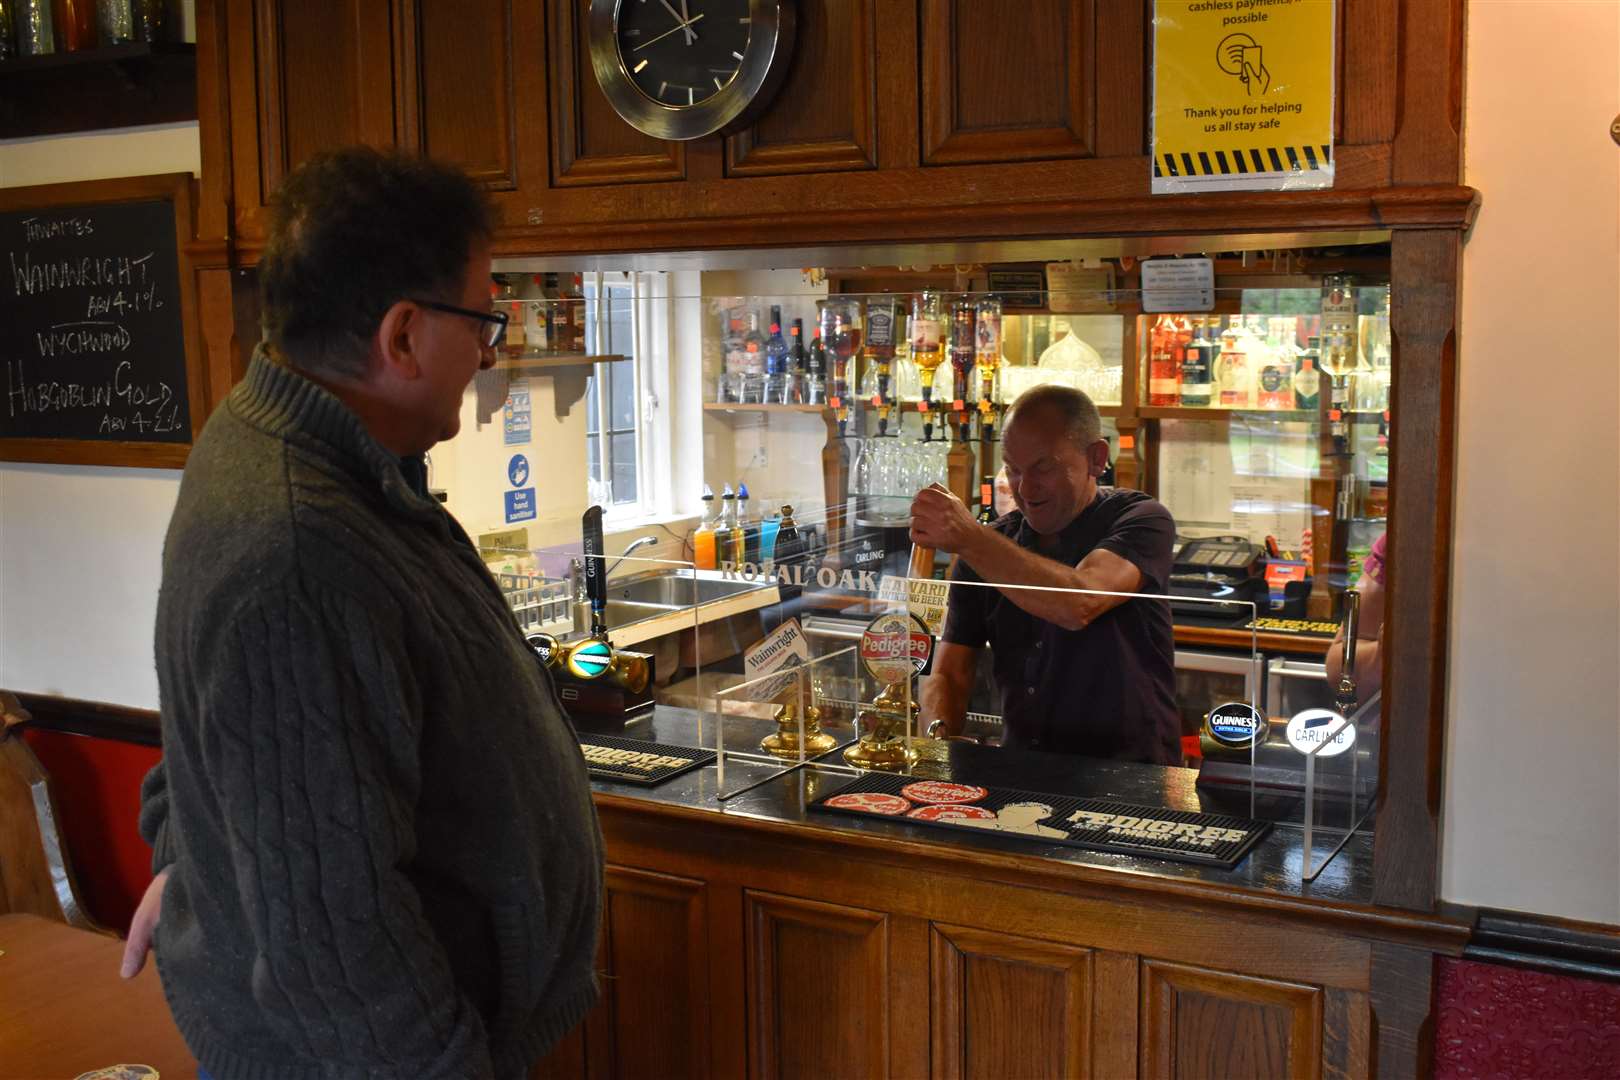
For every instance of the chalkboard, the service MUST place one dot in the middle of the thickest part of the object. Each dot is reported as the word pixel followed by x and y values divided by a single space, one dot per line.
pixel 92 328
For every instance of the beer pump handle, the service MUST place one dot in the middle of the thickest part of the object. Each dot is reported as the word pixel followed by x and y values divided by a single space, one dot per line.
pixel 595 570
pixel 922 562
pixel 1345 693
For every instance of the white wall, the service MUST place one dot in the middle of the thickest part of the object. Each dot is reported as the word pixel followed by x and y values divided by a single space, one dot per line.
pixel 1532 800
pixel 80 547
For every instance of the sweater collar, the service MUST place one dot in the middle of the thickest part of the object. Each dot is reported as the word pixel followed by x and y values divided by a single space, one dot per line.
pixel 279 400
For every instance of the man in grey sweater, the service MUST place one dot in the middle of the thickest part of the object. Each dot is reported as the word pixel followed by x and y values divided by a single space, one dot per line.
pixel 375 847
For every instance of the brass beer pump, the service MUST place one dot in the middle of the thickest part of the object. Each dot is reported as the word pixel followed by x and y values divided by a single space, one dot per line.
pixel 887 649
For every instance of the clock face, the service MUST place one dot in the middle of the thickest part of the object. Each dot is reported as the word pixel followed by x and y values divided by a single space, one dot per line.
pixel 680 53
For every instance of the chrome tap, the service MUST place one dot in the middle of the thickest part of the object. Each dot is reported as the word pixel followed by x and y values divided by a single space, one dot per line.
pixel 638 542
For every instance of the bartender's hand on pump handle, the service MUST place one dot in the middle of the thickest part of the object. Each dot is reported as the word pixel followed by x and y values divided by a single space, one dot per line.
pixel 942 521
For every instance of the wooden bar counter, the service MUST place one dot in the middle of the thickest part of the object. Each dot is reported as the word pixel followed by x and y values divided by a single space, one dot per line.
pixel 752 937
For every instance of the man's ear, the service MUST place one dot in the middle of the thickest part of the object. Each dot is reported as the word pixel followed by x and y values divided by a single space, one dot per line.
pixel 1099 458
pixel 397 338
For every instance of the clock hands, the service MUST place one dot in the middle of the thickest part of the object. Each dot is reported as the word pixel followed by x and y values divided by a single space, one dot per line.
pixel 680 17
pixel 666 33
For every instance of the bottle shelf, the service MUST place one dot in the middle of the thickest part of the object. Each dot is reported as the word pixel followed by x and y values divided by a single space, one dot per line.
pixel 117 86
pixel 1225 412
pixel 552 361
pixel 735 406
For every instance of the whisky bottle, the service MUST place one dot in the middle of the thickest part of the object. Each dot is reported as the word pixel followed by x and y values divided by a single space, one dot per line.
pixel 987 347
pixel 927 338
pixel 1195 368
pixel 963 331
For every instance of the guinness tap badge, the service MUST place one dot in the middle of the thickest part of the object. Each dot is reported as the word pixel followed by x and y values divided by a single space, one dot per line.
pixel 1235 725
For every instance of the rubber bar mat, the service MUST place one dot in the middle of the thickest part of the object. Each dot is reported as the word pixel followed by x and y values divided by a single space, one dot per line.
pixel 1095 824
pixel 636 761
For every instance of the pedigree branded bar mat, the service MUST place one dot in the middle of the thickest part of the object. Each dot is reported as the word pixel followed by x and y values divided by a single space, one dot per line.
pixel 1095 824
pixel 636 761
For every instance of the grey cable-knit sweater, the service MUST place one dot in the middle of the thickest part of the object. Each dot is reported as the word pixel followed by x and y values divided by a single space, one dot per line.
pixel 383 857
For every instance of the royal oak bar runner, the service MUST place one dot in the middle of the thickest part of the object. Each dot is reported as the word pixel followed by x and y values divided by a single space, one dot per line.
pixel 635 761
pixel 1095 824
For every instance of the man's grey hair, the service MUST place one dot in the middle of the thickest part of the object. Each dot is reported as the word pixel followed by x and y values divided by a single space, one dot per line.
pixel 1079 415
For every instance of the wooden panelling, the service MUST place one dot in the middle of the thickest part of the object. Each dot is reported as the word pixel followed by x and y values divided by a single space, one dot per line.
pixel 818 988
pixel 992 993
pixel 590 143
pixel 1196 1022
pixel 217 316
pixel 1007 82
pixel 1367 74
pixel 325 79
pixel 1428 126
pixel 825 116
pixel 463 108
pixel 1425 276
pixel 656 984
pixel 1121 83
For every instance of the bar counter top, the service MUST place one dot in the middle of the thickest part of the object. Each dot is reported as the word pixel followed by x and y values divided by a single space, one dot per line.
pixel 778 795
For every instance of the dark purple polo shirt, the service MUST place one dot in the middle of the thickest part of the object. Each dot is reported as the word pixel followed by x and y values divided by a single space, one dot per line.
pixel 1108 690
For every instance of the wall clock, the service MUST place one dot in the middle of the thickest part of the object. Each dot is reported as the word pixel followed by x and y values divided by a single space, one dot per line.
pixel 683 69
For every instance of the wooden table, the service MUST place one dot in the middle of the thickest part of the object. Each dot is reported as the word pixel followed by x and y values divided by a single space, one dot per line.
pixel 64 1010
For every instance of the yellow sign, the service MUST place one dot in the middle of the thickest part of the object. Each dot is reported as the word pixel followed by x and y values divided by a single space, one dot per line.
pixel 1242 95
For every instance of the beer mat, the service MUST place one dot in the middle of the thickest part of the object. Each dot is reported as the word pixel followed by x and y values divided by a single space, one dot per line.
pixel 120 1072
pixel 1270 625
pixel 1214 840
pixel 636 761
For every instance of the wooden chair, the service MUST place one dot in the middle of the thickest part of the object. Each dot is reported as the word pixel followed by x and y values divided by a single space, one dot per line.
pixel 35 874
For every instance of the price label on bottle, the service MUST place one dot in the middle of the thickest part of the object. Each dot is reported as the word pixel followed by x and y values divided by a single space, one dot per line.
pixel 837 403
pixel 957 405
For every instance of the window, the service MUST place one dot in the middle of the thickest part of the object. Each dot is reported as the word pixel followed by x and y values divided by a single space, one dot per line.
pixel 613 448
pixel 628 432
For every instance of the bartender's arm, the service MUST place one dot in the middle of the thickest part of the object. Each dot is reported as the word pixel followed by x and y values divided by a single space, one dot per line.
pixel 940 520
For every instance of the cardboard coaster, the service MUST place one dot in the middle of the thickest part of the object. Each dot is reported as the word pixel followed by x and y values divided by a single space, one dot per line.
pixel 1094 824
pixel 636 761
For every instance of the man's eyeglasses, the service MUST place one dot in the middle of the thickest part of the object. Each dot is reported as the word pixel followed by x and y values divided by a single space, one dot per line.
pixel 494 330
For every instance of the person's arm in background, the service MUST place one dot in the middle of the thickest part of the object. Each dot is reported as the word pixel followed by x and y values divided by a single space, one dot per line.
pixel 1369 672
pixel 310 727
pixel 945 692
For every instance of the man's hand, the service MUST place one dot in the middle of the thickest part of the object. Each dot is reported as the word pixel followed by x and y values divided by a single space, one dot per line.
pixel 942 521
pixel 142 926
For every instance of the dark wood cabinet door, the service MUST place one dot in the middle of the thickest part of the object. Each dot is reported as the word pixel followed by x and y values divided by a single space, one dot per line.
pixel 825 116
pixel 1008 82
pixel 590 144
pixel 1002 1005
pixel 305 77
pixel 457 85
pixel 653 1019
pixel 817 988
pixel 1197 1023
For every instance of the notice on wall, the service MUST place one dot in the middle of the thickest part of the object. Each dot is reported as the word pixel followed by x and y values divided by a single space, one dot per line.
pixel 1242 95
pixel 520 504
pixel 516 415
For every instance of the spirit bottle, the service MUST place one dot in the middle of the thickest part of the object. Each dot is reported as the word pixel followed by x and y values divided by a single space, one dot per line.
pixel 505 297
pixel 1308 381
pixel 987 347
pixel 927 338
pixel 963 343
pixel 753 362
pixel 987 500
pixel 1276 369
pixel 1232 373
pixel 1166 353
pixel 815 377
pixel 798 361
pixel 744 538
pixel 1195 368
pixel 882 333
pixel 776 362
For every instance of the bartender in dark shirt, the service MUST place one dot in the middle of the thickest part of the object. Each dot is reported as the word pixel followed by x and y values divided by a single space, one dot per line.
pixel 1079 673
